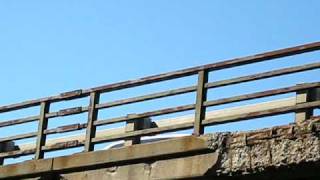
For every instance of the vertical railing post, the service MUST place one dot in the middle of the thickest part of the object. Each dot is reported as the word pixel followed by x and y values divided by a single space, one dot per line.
pixel 135 125
pixel 92 117
pixel 200 109
pixel 2 149
pixel 43 124
pixel 6 147
pixel 304 96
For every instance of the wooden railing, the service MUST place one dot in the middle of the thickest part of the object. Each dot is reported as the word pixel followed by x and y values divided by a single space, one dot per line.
pixel 307 100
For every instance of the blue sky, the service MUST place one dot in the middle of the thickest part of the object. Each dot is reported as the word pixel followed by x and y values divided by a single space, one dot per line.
pixel 48 47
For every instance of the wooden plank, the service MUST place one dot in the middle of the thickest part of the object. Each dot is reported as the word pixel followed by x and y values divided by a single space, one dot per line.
pixel 260 114
pixel 67 128
pixel 145 132
pixel 200 109
pixel 67 112
pixel 18 153
pixel 37 102
pixel 62 129
pixel 263 75
pixel 262 94
pixel 92 117
pixel 19 121
pixel 148 97
pixel 43 123
pixel 63 145
pixel 62 112
pixel 146 114
pixel 71 94
pixel 19 136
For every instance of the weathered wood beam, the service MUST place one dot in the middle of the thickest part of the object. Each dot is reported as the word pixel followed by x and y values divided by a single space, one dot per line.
pixel 302 96
pixel 19 121
pixel 135 125
pixel 147 114
pixel 43 124
pixel 200 109
pixel 19 136
pixel 263 75
pixel 92 117
pixel 260 114
pixel 272 92
pixel 148 97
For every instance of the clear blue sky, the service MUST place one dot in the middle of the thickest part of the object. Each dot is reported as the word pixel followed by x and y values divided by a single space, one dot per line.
pixel 48 47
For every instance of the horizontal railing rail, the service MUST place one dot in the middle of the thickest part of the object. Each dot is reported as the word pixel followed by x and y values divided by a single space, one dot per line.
pixel 307 95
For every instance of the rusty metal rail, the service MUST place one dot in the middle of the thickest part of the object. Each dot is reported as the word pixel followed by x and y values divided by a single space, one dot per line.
pixel 200 106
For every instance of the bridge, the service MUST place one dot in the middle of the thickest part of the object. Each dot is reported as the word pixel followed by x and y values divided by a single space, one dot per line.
pixel 290 151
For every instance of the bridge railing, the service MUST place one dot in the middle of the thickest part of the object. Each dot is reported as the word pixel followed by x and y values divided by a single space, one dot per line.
pixel 307 100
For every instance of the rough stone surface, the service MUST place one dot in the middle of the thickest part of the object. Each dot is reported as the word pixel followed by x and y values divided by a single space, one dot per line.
pixel 256 151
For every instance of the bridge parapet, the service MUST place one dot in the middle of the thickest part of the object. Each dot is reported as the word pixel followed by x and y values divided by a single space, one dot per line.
pixel 265 154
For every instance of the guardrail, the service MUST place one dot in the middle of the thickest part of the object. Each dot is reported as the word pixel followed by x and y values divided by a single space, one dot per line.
pixel 137 126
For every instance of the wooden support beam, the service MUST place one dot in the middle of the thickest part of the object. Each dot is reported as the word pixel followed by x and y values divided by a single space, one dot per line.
pixel 303 96
pixel 92 116
pixel 201 98
pixel 43 124
pixel 135 125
